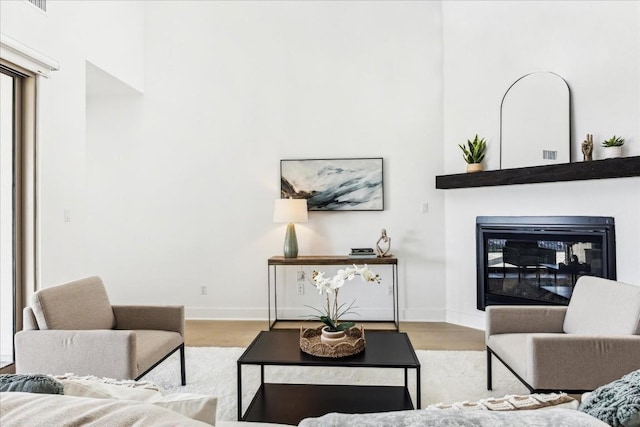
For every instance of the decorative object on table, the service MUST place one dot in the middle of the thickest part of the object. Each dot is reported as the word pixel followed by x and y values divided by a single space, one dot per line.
pixel 311 342
pixel 334 184
pixel 587 148
pixel 332 337
pixel 473 153
pixel 535 122
pixel 362 253
pixel 290 211
pixel 385 240
pixel 613 147
pixel 332 312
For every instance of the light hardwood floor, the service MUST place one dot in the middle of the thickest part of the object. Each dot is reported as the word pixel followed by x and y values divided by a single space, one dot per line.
pixel 423 335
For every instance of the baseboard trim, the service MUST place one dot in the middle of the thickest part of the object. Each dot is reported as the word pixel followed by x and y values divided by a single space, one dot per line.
pixel 422 315
pixel 469 320
pixel 248 313
pixel 218 313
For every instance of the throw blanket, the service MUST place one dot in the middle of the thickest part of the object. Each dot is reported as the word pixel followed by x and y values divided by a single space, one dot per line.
pixel 30 409
pixel 458 418
pixel 616 403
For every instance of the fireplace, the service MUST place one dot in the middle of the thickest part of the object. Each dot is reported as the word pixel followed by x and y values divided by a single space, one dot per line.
pixel 537 260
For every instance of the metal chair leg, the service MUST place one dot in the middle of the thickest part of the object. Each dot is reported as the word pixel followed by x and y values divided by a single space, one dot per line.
pixel 183 376
pixel 489 385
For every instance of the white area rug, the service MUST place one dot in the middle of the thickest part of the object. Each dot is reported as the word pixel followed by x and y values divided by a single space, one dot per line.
pixel 447 376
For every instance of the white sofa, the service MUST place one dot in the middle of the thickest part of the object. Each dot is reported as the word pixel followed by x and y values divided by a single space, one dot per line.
pixel 100 403
pixel 21 409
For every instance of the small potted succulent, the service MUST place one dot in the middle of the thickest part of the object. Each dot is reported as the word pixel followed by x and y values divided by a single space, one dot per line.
pixel 613 147
pixel 473 153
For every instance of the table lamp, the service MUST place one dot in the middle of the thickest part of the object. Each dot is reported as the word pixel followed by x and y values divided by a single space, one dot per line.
pixel 290 211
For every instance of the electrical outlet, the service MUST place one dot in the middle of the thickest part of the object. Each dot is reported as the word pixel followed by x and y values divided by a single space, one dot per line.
pixel 203 289
pixel 301 276
pixel 389 289
pixel 300 288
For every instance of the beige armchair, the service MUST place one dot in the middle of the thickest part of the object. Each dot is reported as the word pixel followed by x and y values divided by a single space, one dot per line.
pixel 591 342
pixel 73 328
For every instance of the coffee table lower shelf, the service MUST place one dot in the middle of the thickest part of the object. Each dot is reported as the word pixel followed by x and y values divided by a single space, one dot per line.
pixel 290 403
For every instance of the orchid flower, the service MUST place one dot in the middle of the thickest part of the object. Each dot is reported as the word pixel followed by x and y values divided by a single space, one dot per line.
pixel 368 275
pixel 323 284
pixel 333 311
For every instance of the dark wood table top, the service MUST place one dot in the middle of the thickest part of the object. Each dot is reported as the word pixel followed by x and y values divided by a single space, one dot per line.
pixel 331 260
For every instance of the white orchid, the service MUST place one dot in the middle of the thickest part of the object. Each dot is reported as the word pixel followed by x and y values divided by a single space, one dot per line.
pixel 333 311
pixel 323 284
pixel 348 273
pixel 368 275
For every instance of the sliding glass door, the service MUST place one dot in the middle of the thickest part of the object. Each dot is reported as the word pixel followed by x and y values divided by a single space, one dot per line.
pixel 8 109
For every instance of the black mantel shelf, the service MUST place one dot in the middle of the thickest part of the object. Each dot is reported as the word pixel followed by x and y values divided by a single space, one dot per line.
pixel 596 169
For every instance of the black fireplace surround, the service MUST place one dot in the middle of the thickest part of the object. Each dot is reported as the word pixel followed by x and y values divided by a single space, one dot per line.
pixel 526 260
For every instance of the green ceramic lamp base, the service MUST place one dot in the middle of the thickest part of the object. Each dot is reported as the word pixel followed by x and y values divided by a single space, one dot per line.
pixel 290 242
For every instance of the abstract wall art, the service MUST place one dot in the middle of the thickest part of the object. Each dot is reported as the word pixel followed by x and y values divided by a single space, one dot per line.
pixel 334 184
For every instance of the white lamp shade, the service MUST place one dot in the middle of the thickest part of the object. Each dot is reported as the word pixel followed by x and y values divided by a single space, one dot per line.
pixel 290 210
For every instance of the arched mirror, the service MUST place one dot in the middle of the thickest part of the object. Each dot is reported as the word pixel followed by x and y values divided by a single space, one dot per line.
pixel 535 122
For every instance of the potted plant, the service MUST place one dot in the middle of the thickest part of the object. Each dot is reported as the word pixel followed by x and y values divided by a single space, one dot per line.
pixel 473 153
pixel 334 331
pixel 613 147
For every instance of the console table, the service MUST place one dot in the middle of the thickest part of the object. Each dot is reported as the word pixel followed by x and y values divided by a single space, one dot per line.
pixel 279 261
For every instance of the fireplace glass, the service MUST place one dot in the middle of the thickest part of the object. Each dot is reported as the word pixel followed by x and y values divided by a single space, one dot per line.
pixel 537 260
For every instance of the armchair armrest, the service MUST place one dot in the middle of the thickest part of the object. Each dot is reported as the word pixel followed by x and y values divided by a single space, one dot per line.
pixel 594 360
pixel 162 318
pixel 524 319
pixel 28 319
pixel 102 352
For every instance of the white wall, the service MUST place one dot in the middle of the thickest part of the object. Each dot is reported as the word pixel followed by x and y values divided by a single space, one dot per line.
pixel 595 46
pixel 173 188
pixel 183 178
pixel 71 32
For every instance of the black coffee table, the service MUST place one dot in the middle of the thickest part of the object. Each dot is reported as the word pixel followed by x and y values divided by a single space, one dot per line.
pixel 290 403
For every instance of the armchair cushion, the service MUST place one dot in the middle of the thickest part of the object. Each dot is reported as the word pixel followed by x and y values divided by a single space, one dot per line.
pixel 81 304
pixel 512 349
pixel 603 307
pixel 537 358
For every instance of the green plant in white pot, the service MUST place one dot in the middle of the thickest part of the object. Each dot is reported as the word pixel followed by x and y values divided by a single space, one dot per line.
pixel 613 147
pixel 473 153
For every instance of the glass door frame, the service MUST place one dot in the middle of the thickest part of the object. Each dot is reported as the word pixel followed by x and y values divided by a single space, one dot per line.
pixel 24 190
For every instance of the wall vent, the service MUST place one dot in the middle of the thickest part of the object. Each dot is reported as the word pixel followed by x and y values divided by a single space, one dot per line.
pixel 549 154
pixel 42 4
